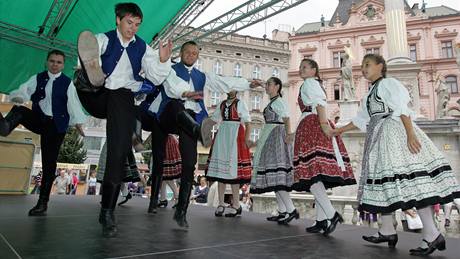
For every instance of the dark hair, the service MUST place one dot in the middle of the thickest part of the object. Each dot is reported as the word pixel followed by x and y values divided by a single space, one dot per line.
pixel 190 42
pixel 122 9
pixel 277 82
pixel 55 52
pixel 313 64
pixel 378 60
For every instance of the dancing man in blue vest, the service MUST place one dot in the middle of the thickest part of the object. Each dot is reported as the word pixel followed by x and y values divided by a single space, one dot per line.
pixel 110 66
pixel 177 107
pixel 55 106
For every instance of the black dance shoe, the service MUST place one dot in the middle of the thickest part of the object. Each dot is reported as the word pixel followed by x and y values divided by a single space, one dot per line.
pixel 236 213
pixel 334 221
pixel 128 197
pixel 291 216
pixel 219 211
pixel 281 215
pixel 439 243
pixel 163 204
pixel 107 220
pixel 318 227
pixel 391 239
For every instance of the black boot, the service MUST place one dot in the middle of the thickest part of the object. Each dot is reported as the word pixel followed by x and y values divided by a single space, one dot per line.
pixel 42 203
pixel 180 215
pixel 234 214
pixel 156 186
pixel 318 227
pixel 391 239
pixel 40 208
pixel 107 220
pixel 110 195
pixel 128 197
pixel 292 215
pixel 189 125
pixel 10 122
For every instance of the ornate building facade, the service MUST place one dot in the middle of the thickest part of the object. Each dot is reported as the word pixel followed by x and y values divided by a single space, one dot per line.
pixel 361 26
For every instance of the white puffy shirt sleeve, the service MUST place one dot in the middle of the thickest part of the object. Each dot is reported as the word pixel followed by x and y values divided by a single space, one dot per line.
pixel 312 94
pixel 175 86
pixel 217 116
pixel 279 106
pixel 74 107
pixel 396 96
pixel 243 112
pixel 362 117
pixel 225 84
pixel 155 71
pixel 25 90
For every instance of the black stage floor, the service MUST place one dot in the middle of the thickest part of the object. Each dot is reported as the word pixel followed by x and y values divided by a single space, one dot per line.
pixel 71 231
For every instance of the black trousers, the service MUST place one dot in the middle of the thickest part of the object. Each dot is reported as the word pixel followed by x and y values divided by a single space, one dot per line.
pixel 160 128
pixel 50 143
pixel 117 106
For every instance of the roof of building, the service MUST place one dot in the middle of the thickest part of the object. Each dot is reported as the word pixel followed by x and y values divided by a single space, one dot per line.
pixel 344 6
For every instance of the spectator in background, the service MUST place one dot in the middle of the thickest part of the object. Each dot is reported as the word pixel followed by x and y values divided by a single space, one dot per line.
pixel 61 182
pixel 37 181
pixel 92 182
pixel 200 194
pixel 74 183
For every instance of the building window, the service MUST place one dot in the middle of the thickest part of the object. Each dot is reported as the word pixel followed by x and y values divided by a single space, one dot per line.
pixel 336 92
pixel 446 49
pixel 217 68
pixel 337 58
pixel 255 132
pixel 238 54
pixel 214 130
pixel 218 51
pixel 92 143
pixel 256 56
pixel 413 52
pixel 237 70
pixel 276 59
pixel 451 83
pixel 199 64
pixel 373 51
pixel 215 98
pixel 256 73
pixel 255 102
pixel 276 72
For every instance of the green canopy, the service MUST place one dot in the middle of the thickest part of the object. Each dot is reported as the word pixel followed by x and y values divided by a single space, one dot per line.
pixel 19 62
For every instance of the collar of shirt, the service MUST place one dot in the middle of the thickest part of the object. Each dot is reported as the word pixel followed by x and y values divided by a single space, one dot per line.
pixel 54 76
pixel 120 38
pixel 189 68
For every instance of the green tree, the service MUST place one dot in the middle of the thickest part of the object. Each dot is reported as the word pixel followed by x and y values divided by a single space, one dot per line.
pixel 72 150
pixel 148 146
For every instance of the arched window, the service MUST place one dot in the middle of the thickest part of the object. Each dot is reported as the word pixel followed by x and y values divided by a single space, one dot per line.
pixel 336 92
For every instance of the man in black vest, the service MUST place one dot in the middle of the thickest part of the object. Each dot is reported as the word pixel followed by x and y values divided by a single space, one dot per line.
pixel 55 106
pixel 111 63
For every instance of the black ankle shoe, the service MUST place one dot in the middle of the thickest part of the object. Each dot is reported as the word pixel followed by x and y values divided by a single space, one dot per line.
pixel 39 209
pixel 291 216
pixel 318 227
pixel 128 197
pixel 107 220
pixel 180 219
pixel 281 215
pixel 163 204
pixel 439 243
pixel 391 239
pixel 237 213
pixel 333 224
pixel 218 212
pixel 420 249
